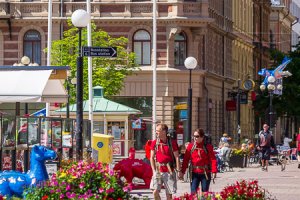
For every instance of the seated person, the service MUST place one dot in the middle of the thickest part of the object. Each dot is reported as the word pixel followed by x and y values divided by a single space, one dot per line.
pixel 223 155
pixel 286 142
pixel 218 156
pixel 244 147
pixel 225 138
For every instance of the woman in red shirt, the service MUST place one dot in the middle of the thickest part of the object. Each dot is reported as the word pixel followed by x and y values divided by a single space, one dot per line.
pixel 203 162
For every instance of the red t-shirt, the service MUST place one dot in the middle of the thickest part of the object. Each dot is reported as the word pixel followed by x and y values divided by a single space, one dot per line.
pixel 199 157
pixel 163 153
pixel 298 139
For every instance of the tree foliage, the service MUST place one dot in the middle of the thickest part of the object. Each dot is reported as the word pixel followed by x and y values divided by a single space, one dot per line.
pixel 289 102
pixel 107 72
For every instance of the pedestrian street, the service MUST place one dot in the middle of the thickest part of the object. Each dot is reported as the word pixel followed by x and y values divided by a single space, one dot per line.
pixel 282 185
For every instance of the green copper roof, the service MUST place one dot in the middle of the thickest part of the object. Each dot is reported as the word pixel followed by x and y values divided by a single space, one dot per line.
pixel 102 105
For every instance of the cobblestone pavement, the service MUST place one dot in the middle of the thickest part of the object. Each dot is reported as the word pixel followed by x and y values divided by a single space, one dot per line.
pixel 282 185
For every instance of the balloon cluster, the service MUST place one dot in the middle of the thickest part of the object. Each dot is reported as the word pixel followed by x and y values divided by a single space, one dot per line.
pixel 273 78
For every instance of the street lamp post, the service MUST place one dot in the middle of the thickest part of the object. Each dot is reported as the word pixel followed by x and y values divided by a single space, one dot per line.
pixel 271 87
pixel 238 96
pixel 190 63
pixel 80 19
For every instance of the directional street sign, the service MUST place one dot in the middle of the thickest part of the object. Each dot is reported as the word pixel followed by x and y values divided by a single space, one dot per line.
pixel 99 51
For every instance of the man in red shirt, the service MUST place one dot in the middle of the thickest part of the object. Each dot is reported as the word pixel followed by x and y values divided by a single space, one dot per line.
pixel 203 162
pixel 298 149
pixel 164 158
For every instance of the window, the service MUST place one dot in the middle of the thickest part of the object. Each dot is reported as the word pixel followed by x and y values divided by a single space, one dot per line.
pixel 116 129
pixel 32 46
pixel 180 118
pixel 98 127
pixel 180 48
pixel 142 47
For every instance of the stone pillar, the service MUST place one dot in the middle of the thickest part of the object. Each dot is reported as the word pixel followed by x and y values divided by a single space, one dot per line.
pixel 164 110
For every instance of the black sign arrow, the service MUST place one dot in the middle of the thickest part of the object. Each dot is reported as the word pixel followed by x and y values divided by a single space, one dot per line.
pixel 99 51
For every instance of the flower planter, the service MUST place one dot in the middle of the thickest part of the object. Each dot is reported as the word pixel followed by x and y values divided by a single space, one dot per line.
pixel 238 161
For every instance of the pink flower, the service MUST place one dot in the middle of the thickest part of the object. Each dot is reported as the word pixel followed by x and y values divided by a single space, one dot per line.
pixel 101 190
pixel 68 187
pixel 81 185
pixel 111 190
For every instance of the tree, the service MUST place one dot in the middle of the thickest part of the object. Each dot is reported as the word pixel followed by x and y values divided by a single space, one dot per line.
pixel 107 72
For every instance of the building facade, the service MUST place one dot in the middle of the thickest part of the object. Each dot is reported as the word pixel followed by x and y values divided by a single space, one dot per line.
pixel 295 10
pixel 227 39
pixel 243 67
pixel 281 20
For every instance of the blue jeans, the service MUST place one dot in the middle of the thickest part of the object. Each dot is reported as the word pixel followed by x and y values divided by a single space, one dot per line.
pixel 220 163
pixel 200 178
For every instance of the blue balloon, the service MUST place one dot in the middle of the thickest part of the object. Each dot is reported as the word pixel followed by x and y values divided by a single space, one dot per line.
pixel 277 73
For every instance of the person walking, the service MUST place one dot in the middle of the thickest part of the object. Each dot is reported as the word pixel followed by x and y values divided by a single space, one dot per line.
pixel 298 149
pixel 202 160
pixel 164 159
pixel 265 142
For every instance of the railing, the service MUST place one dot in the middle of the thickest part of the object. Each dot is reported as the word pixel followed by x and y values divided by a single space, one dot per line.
pixel 19 134
pixel 106 9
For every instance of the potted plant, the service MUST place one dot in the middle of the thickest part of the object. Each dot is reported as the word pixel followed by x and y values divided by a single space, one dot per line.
pixel 238 158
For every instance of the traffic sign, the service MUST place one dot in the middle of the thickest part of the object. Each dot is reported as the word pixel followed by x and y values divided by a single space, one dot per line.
pixel 99 51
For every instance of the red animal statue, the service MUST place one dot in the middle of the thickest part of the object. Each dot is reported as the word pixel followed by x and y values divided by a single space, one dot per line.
pixel 130 168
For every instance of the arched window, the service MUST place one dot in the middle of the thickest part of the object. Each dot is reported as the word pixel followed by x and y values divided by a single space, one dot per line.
pixel 180 48
pixel 32 46
pixel 142 47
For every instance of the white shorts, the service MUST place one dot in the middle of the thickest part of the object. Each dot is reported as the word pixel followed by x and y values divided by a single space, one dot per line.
pixel 168 180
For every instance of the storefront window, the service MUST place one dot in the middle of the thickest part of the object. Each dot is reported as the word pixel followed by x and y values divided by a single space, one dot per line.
pixel 9 137
pixel 98 127
pixel 144 104
pixel 116 129
pixel 142 136
pixel 180 118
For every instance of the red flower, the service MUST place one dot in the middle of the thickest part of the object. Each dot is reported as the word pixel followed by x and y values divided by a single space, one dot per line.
pixel 45 197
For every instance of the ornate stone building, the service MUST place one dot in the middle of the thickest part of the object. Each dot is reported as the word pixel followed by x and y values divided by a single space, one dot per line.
pixel 261 42
pixel 261 36
pixel 218 33
pixel 202 29
pixel 243 68
pixel 281 20
pixel 295 10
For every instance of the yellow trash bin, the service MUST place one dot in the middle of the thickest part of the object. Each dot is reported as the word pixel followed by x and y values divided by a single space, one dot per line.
pixel 102 148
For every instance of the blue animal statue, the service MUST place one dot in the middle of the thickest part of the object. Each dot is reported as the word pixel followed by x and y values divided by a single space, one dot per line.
pixel 13 182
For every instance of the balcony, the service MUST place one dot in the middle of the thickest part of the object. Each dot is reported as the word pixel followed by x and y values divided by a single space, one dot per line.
pixel 109 10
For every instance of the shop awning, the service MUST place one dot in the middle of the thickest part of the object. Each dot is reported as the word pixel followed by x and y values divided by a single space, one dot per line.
pixel 30 86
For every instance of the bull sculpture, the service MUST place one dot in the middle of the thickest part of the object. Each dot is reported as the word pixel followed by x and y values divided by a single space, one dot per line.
pixel 14 183
pixel 130 168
